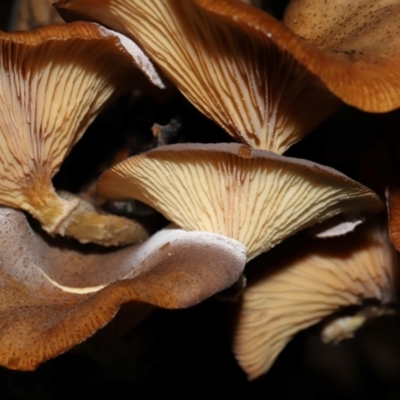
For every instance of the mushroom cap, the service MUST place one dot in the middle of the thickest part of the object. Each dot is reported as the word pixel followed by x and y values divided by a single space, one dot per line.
pixel 246 83
pixel 361 41
pixel 393 210
pixel 54 296
pixel 53 82
pixel 265 83
pixel 309 281
pixel 254 196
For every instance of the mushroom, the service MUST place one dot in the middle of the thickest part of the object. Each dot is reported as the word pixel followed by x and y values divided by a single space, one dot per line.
pixel 307 281
pixel 380 164
pixel 54 296
pixel 54 81
pixel 29 15
pixel 253 196
pixel 261 80
pixel 393 210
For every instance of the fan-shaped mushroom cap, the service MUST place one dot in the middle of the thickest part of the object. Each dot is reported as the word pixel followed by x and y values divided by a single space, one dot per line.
pixel 306 284
pixel 253 196
pixel 246 83
pixel 54 297
pixel 393 204
pixel 257 78
pixel 53 82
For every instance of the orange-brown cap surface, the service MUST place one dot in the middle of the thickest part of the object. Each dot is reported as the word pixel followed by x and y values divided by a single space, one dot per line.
pixel 54 297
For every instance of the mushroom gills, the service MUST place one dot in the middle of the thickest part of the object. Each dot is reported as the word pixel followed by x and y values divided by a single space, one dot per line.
pixel 253 196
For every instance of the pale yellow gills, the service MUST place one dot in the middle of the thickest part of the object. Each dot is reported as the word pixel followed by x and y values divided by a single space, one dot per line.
pixel 254 196
pixel 244 81
pixel 256 77
pixel 306 282
pixel 53 83
pixel 53 296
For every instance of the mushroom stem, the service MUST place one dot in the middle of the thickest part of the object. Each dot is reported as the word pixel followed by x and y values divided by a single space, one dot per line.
pixel 107 230
pixel 344 327
pixel 43 203
pixel 71 216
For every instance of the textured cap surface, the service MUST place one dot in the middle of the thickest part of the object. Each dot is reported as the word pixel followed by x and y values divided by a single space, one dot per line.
pixel 53 297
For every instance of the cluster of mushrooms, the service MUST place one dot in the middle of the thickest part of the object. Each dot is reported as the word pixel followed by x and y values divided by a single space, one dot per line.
pixel 267 84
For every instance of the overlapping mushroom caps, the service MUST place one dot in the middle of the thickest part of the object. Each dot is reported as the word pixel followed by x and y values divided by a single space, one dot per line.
pixel 54 81
pixel 307 283
pixel 54 297
pixel 253 196
pixel 261 81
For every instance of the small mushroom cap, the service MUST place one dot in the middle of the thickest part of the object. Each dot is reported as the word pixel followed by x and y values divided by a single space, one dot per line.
pixel 266 83
pixel 253 196
pixel 303 283
pixel 54 296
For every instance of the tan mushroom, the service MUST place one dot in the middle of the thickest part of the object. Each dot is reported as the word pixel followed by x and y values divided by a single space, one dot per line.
pixel 253 196
pixel 53 83
pixel 257 78
pixel 28 14
pixel 306 282
pixel 54 296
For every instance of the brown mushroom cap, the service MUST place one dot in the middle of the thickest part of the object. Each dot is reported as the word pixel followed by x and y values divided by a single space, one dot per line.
pixel 54 297
pixel 246 83
pixel 53 82
pixel 361 43
pixel 307 282
pixel 253 196
pixel 264 82
pixel 393 210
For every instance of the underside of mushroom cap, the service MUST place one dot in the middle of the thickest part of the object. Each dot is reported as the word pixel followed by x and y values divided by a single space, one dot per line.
pixel 54 81
pixel 53 295
pixel 246 83
pixel 266 83
pixel 253 196
pixel 305 282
